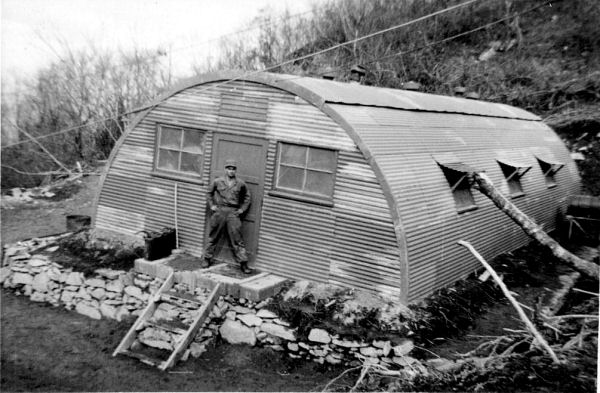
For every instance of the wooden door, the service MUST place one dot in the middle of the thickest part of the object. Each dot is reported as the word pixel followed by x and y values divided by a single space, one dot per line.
pixel 251 156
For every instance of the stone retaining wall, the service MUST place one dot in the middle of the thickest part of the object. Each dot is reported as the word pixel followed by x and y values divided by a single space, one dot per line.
pixel 122 294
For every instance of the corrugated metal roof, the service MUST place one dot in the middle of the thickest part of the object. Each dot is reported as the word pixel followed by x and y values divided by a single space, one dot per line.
pixel 355 94
pixel 319 91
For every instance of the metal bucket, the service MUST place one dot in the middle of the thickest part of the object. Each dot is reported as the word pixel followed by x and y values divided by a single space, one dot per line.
pixel 77 222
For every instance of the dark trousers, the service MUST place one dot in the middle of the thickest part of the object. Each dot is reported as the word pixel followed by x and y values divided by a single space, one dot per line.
pixel 224 222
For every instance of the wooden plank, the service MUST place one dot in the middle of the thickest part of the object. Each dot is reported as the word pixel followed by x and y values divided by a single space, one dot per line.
pixel 143 358
pixel 145 315
pixel 194 327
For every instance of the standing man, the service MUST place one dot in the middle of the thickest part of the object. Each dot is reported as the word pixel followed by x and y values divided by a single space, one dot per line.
pixel 228 199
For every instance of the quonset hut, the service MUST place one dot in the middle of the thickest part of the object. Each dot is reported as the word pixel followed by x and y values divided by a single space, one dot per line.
pixel 353 185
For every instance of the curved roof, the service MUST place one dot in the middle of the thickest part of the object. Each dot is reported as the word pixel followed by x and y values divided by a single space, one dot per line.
pixel 320 91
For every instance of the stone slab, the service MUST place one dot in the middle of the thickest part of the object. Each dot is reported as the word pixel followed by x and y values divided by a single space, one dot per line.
pixel 155 268
pixel 261 287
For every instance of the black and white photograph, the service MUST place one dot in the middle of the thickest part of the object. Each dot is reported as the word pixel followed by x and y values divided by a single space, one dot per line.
pixel 300 195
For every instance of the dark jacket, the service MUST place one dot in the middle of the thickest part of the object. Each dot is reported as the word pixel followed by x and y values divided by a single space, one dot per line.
pixel 222 195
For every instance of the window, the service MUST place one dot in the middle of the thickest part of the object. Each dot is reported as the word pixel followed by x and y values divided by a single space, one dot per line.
pixel 513 173
pixel 457 175
pixel 179 152
pixel 549 169
pixel 306 171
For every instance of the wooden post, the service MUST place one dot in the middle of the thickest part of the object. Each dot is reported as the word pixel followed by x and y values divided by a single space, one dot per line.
pixel 486 187
pixel 540 339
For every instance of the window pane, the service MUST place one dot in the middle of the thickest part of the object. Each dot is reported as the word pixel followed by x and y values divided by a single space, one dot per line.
pixel 168 159
pixel 319 183
pixel 170 137
pixel 191 162
pixel 192 141
pixel 290 177
pixel 321 159
pixel 293 155
pixel 463 197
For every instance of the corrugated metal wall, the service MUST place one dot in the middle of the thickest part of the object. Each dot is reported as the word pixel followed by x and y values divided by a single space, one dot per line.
pixel 352 243
pixel 404 144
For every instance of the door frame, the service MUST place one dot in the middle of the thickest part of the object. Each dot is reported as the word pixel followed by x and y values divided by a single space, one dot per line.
pixel 256 199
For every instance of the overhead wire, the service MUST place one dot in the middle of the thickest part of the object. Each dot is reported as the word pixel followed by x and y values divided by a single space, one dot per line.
pixel 251 73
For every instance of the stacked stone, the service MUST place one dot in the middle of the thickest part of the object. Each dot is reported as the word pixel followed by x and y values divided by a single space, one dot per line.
pixel 109 293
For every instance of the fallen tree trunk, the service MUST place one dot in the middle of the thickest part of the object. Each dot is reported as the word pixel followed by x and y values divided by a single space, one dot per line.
pixel 530 326
pixel 486 187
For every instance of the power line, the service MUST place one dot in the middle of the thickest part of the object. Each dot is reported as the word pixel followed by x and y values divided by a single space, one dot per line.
pixel 420 48
pixel 322 51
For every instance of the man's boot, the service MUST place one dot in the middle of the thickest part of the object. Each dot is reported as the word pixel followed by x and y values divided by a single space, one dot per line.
pixel 244 268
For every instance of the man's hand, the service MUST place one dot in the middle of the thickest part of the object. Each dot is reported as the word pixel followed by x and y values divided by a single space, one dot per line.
pixel 214 208
pixel 238 212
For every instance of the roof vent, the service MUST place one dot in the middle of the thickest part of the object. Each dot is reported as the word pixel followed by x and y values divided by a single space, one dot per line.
pixel 357 74
pixel 460 91
pixel 411 85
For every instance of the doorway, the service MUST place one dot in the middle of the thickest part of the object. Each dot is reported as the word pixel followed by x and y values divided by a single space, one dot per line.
pixel 251 156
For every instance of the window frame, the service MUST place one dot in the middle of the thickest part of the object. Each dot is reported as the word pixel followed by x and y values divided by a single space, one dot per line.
pixel 513 173
pixel 450 171
pixel 299 195
pixel 177 174
pixel 549 169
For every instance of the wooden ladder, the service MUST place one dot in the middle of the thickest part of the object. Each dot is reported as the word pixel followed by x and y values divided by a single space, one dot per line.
pixel 187 335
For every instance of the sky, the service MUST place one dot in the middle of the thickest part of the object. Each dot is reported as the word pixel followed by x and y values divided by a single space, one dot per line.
pixel 33 31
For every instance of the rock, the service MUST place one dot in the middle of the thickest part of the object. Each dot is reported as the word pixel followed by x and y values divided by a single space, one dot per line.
pixel 134 291
pixel 156 338
pixel 83 294
pixel 318 352
pixel 404 348
pixel 52 249
pixel 262 304
pixel 5 272
pixel 88 311
pixel 293 346
pixel 55 274
pixel 40 282
pixel 216 312
pixel 143 284
pixel 319 336
pixel 126 279
pixel 234 332
pixel 380 344
pixel 387 348
pixel 242 300
pixel 38 297
pixel 98 293
pixel 370 352
pixel 348 344
pixel 276 347
pixel 95 283
pixel 74 278
pixel 332 360
pixel 115 286
pixel 230 315
pixel 108 311
pixel 27 290
pixel 109 273
pixel 241 310
pixel 122 313
pixel 404 361
pixel 281 322
pixel 166 311
pixel 278 331
pixel 67 296
pixel 250 319
pixel 196 350
pixel 266 314
pixel 37 261
pixel 22 279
